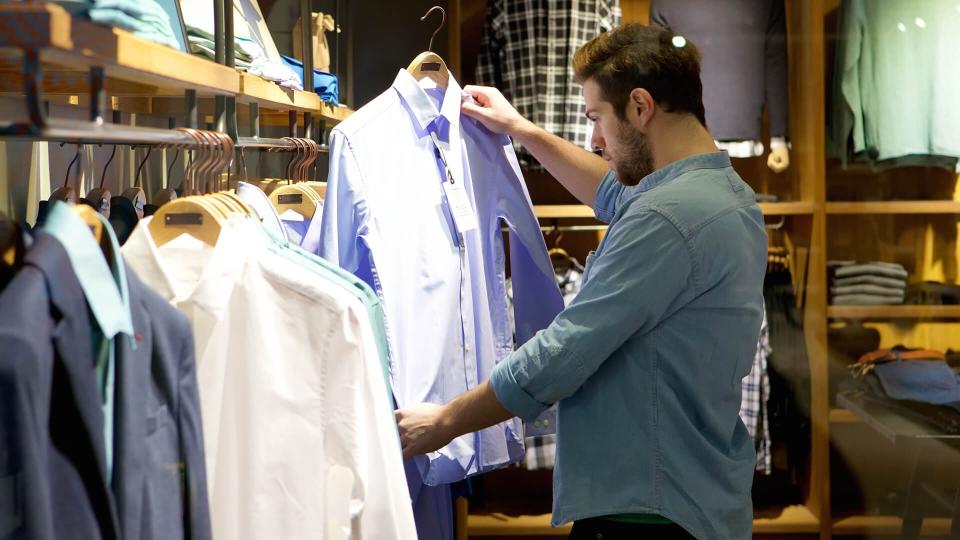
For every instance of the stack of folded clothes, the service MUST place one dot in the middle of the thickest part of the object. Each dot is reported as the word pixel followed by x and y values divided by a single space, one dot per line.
pixel 143 18
pixel 248 56
pixel 866 283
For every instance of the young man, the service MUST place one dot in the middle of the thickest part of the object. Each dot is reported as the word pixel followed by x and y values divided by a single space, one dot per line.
pixel 646 362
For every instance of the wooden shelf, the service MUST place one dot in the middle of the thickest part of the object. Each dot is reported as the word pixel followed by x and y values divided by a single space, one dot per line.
pixel 504 525
pixel 555 211
pixel 797 208
pixel 843 416
pixel 76 44
pixel 134 67
pixel 796 519
pixel 271 95
pixel 887 526
pixel 793 520
pixel 894 312
pixel 894 207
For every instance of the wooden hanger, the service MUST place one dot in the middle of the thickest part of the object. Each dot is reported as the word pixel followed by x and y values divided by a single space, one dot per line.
pixel 428 64
pixel 12 247
pixel 166 194
pixel 66 193
pixel 135 194
pixel 89 217
pixel 293 196
pixel 99 195
pixel 188 215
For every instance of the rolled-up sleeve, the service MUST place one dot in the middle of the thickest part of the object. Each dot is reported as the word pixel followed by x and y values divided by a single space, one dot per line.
pixel 605 200
pixel 642 275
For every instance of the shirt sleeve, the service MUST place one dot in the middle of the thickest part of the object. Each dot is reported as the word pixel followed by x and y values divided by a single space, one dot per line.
pixel 607 196
pixel 345 214
pixel 642 276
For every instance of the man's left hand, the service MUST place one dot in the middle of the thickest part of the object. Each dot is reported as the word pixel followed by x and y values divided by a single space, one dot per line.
pixel 422 429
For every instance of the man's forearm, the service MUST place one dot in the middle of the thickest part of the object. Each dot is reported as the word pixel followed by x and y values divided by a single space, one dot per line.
pixel 577 169
pixel 475 409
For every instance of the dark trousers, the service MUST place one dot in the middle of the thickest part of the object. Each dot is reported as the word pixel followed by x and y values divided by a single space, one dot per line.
pixel 605 529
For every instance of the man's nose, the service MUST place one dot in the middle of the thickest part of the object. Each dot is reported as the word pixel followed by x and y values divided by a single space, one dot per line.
pixel 596 141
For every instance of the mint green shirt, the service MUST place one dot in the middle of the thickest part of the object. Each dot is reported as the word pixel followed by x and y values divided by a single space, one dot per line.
pixel 896 79
pixel 105 289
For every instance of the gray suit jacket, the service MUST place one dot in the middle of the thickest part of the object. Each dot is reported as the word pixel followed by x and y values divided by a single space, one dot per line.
pixel 52 457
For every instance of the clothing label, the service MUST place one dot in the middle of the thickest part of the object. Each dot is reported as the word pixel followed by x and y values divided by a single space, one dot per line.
pixel 460 206
pixel 463 216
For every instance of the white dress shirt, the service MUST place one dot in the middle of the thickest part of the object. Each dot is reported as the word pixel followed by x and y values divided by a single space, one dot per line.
pixel 300 436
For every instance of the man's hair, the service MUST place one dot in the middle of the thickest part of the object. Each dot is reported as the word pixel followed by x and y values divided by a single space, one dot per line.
pixel 649 57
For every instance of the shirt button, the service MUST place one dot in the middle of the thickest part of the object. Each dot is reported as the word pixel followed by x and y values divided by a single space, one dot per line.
pixel 466 347
pixel 546 423
pixel 536 424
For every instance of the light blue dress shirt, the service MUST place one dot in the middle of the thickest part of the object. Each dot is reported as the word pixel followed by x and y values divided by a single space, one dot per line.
pixel 105 289
pixel 386 218
pixel 647 361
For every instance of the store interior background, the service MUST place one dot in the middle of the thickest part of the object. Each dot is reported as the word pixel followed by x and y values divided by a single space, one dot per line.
pixel 856 478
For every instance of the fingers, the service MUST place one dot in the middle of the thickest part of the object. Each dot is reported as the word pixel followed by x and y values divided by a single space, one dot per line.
pixel 482 94
pixel 474 111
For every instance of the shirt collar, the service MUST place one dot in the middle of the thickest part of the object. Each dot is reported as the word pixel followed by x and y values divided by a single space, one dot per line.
pixel 104 283
pixel 420 104
pixel 712 160
pixel 214 289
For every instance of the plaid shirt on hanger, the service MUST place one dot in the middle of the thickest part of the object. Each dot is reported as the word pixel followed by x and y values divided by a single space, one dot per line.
pixel 527 51
pixel 754 394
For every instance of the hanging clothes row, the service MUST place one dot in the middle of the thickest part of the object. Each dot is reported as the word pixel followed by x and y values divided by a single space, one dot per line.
pixel 100 428
pixel 282 354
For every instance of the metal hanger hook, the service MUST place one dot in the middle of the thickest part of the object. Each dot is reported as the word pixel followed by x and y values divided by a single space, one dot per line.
pixel 443 20
pixel 66 177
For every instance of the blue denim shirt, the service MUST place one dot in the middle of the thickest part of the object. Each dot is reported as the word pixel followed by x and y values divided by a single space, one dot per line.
pixel 646 362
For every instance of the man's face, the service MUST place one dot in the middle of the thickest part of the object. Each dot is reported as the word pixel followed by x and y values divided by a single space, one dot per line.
pixel 624 145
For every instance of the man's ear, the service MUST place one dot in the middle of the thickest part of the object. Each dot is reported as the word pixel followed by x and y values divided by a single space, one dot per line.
pixel 640 107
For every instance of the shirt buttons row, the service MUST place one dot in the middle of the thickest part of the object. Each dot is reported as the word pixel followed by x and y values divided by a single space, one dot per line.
pixel 541 424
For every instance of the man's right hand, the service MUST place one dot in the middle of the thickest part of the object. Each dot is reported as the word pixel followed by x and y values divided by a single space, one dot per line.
pixel 494 111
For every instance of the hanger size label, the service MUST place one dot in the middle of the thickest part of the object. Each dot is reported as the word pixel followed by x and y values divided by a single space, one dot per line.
pixel 463 215
pixel 184 218
pixel 290 198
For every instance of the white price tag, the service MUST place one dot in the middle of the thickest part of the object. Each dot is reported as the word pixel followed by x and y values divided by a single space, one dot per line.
pixel 463 214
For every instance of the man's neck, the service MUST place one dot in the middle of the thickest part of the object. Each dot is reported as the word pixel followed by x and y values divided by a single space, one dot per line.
pixel 679 137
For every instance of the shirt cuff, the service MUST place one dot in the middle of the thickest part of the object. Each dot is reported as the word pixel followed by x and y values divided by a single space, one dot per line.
pixel 605 199
pixel 511 395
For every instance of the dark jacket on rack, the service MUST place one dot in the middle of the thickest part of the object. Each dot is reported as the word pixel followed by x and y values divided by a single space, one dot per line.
pixel 52 456
pixel 159 473
pixel 52 465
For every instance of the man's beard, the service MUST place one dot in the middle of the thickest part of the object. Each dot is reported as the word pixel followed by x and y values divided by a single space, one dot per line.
pixel 635 159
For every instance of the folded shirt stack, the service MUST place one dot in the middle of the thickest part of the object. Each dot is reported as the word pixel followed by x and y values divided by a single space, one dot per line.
pixel 866 283
pixel 248 56
pixel 143 18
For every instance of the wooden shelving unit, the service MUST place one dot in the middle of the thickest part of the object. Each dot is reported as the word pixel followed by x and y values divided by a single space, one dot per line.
pixel 894 312
pixel 843 416
pixel 798 208
pixel 794 520
pixel 893 207
pixel 560 211
pixel 887 526
pixel 134 67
